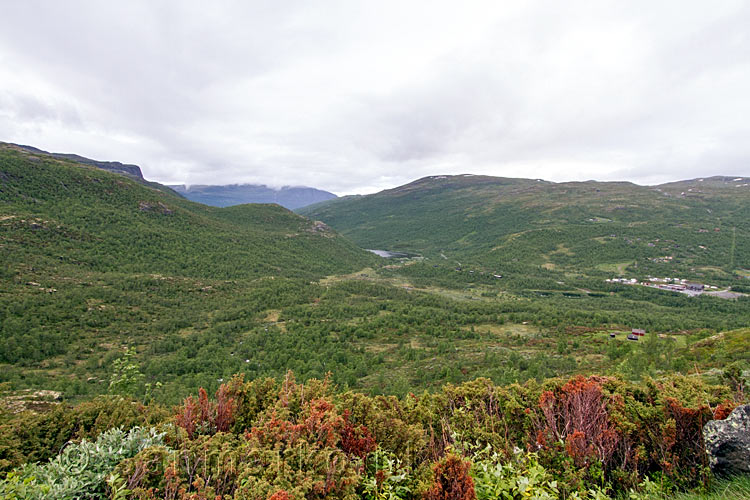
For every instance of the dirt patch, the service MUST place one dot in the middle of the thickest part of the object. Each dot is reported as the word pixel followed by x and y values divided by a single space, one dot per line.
pixel 272 316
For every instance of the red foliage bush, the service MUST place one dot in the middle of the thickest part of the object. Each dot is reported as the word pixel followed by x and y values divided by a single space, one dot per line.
pixel 225 406
pixel 205 416
pixel 187 417
pixel 323 423
pixel 577 414
pixel 683 448
pixel 578 448
pixel 452 480
pixel 723 410
pixel 280 495
pixel 356 441
pixel 305 450
pixel 205 405
pixel 320 423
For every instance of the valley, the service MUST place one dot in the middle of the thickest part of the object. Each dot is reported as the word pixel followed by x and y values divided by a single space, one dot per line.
pixel 482 281
pixel 374 251
pixel 696 229
pixel 95 263
pixel 291 197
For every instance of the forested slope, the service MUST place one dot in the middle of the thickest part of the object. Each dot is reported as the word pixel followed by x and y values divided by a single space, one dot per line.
pixel 693 228
pixel 61 212
pixel 92 261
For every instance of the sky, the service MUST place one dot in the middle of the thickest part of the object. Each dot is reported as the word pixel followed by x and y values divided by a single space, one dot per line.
pixel 358 96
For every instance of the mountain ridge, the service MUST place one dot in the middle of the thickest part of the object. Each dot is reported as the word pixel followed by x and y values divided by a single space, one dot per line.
pixel 111 166
pixel 141 221
pixel 578 226
pixel 291 197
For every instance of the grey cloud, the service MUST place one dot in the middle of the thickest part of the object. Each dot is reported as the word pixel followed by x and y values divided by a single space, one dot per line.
pixel 353 96
pixel 30 108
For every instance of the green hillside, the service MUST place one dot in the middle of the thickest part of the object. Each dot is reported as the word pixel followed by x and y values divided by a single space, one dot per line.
pixel 698 229
pixel 108 285
pixel 58 213
pixel 93 260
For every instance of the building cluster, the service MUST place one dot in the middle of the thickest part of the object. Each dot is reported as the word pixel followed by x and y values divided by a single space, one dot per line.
pixel 671 284
pixel 662 260
pixel 635 334
pixel 493 274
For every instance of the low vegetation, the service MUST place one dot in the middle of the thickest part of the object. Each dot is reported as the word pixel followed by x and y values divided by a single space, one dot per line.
pixel 583 437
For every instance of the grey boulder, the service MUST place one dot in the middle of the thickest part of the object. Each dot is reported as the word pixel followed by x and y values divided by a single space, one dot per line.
pixel 728 443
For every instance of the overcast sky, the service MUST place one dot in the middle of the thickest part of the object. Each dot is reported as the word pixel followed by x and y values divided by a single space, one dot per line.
pixel 358 96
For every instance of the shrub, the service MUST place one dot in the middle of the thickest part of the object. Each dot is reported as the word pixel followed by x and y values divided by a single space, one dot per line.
pixel 203 416
pixel 392 423
pixel 452 480
pixel 81 469
pixel 205 467
pixel 280 495
pixel 520 478
pixel 39 437
pixel 386 478
pixel 356 440
pixel 577 415
pixel 301 456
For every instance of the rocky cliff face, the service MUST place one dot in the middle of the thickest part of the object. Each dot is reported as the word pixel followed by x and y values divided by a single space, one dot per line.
pixel 112 166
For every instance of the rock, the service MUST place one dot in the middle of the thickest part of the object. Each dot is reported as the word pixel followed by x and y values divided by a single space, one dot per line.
pixel 145 206
pixel 26 400
pixel 321 228
pixel 728 443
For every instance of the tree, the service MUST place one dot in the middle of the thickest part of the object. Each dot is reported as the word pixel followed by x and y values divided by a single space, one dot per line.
pixel 126 378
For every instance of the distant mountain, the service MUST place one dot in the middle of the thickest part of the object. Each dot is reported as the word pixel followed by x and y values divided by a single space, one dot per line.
pixel 699 227
pixel 290 197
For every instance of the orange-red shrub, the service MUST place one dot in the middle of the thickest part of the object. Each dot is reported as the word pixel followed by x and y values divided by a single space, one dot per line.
pixel 452 480
pixel 577 415
pixel 280 495
pixel 205 416
pixel 357 440
pixel 723 410
pixel 683 441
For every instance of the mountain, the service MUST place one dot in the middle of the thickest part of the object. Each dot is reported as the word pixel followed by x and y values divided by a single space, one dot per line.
pixel 133 171
pixel 290 197
pixel 93 260
pixel 58 210
pixel 699 228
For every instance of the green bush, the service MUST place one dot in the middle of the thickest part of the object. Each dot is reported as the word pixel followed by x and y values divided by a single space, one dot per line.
pixel 386 478
pixel 28 437
pixel 81 469
pixel 520 478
